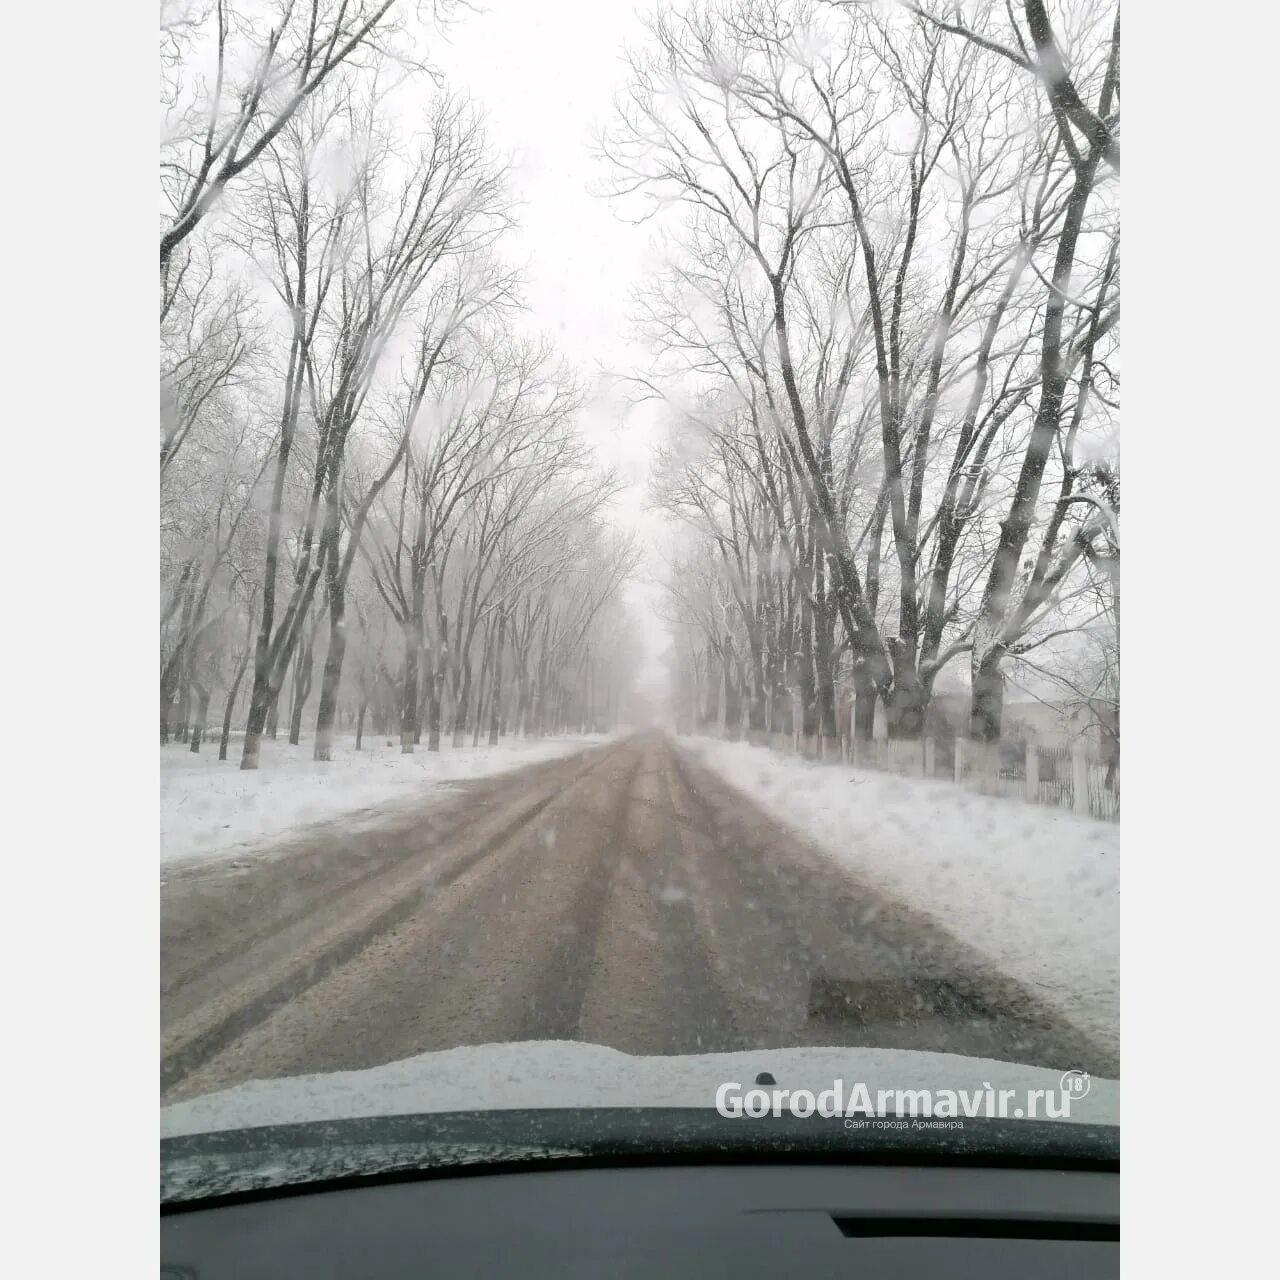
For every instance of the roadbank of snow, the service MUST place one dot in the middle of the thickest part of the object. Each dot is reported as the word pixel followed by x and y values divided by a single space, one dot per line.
pixel 208 806
pixel 1034 889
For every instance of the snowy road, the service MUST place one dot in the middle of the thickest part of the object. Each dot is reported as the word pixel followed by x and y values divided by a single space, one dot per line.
pixel 622 895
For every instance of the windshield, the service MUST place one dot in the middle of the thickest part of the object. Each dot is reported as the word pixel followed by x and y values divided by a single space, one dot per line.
pixel 640 594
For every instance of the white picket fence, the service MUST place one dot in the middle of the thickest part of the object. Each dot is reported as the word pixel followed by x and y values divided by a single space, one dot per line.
pixel 1064 777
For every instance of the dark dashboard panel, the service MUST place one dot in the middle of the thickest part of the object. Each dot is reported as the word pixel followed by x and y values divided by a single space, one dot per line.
pixel 767 1220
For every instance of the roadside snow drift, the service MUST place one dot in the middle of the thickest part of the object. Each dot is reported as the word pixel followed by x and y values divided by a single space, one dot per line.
pixel 1034 889
pixel 208 806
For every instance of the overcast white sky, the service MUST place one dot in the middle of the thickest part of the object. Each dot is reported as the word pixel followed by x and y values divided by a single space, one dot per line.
pixel 546 73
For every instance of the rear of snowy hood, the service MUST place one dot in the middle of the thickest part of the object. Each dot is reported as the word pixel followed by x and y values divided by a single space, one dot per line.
pixel 559 1073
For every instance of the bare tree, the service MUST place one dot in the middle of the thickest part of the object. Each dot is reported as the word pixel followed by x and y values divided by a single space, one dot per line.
pixel 209 342
pixel 348 264
pixel 867 199
pixel 344 414
pixel 265 66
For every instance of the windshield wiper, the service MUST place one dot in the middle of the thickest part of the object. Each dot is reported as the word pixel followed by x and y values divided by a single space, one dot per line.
pixel 263 1160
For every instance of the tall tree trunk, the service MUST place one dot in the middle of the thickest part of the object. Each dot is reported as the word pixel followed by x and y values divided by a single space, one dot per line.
pixel 909 697
pixel 331 675
pixel 522 703
pixel 256 720
pixel 541 709
pixel 463 706
pixel 495 698
pixel 422 711
pixel 443 658
pixel 808 684
pixel 183 725
pixel 168 692
pixel 302 675
pixel 481 686
pixel 729 707
pixel 823 654
pixel 865 695
pixel 435 710
pixel 756 714
pixel 229 710
pixel 409 685
pixel 988 643
pixel 425 695
pixel 202 713
pixel 262 697
pixel 986 709
pixel 234 692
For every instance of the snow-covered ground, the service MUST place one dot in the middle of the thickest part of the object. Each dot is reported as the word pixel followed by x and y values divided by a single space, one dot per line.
pixel 208 806
pixel 1035 889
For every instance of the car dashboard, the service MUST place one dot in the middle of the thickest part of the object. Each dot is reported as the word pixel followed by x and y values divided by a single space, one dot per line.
pixel 716 1219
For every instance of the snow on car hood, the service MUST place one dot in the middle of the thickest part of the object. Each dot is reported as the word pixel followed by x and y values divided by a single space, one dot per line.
pixel 559 1073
